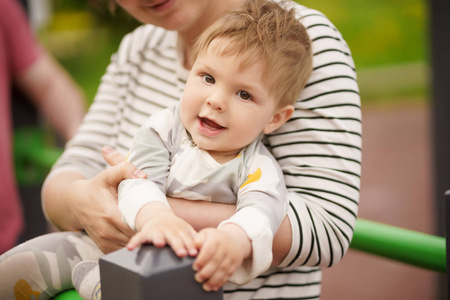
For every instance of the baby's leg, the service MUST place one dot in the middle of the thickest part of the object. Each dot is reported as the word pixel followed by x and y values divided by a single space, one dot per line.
pixel 86 279
pixel 42 267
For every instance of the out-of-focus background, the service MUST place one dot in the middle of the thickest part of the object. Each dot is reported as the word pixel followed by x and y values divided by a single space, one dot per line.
pixel 390 43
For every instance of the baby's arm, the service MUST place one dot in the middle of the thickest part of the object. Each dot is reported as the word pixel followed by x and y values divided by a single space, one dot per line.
pixel 157 224
pixel 261 206
pixel 143 203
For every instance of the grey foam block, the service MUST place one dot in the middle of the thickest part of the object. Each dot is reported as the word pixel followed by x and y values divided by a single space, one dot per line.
pixel 150 273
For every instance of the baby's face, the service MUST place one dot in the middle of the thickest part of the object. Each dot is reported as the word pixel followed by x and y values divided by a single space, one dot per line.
pixel 225 107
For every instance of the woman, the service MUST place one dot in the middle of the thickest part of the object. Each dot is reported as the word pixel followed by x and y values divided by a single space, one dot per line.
pixel 319 150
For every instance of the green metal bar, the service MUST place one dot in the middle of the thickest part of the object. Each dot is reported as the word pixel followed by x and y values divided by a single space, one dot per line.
pixel 33 155
pixel 68 295
pixel 44 157
pixel 408 246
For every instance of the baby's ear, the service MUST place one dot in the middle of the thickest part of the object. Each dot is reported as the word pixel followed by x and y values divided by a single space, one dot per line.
pixel 280 117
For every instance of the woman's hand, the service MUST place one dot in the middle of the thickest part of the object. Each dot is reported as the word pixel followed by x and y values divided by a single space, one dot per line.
pixel 111 156
pixel 73 202
pixel 94 204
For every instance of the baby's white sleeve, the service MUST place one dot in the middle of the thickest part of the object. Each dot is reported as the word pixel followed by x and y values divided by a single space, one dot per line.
pixel 135 194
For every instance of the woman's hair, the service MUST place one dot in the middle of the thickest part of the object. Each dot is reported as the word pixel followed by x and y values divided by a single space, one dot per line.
pixel 263 31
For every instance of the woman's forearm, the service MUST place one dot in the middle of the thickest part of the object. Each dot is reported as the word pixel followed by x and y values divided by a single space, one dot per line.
pixel 282 242
pixel 55 202
pixel 202 214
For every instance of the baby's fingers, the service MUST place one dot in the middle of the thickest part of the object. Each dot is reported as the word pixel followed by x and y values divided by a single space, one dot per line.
pixel 208 248
pixel 156 238
pixel 182 243
pixel 217 280
pixel 207 262
pixel 135 242
pixel 215 273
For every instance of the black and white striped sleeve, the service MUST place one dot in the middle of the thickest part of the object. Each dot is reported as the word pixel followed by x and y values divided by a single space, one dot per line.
pixel 319 150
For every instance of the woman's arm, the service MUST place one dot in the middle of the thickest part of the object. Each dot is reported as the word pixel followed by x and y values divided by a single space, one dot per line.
pixel 319 150
pixel 55 189
pixel 202 214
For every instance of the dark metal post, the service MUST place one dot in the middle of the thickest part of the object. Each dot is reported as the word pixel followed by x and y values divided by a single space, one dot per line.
pixel 440 49
pixel 447 237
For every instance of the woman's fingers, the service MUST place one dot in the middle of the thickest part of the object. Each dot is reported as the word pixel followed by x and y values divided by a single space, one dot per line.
pixel 112 176
pixel 111 156
pixel 116 159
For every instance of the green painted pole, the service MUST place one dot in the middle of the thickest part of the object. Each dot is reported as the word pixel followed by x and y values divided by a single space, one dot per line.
pixel 68 295
pixel 408 246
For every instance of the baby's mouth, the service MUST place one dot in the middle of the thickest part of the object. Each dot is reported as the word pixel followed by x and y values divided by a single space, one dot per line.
pixel 210 124
pixel 209 127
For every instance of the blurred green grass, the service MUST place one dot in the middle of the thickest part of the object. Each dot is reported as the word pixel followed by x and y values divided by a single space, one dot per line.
pixel 388 39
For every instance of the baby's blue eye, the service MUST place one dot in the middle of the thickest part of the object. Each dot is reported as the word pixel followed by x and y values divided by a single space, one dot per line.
pixel 244 95
pixel 209 79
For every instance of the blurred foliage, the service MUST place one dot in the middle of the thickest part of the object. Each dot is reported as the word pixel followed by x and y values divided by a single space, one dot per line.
pixel 389 43
pixel 99 13
pixel 381 34
pixel 83 35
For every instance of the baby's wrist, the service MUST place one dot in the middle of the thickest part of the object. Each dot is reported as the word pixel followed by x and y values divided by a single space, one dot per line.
pixel 148 211
pixel 238 234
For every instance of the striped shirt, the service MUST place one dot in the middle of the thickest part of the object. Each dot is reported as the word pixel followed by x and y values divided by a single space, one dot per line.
pixel 319 148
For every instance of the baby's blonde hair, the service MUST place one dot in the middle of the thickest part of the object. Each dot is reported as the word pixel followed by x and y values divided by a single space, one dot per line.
pixel 263 31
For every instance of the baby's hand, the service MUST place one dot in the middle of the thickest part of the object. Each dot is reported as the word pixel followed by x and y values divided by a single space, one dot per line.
pixel 166 228
pixel 222 252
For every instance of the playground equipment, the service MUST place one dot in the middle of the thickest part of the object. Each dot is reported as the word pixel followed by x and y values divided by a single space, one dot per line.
pixel 150 273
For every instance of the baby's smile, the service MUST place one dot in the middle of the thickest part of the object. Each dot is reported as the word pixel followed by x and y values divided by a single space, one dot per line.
pixel 209 127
